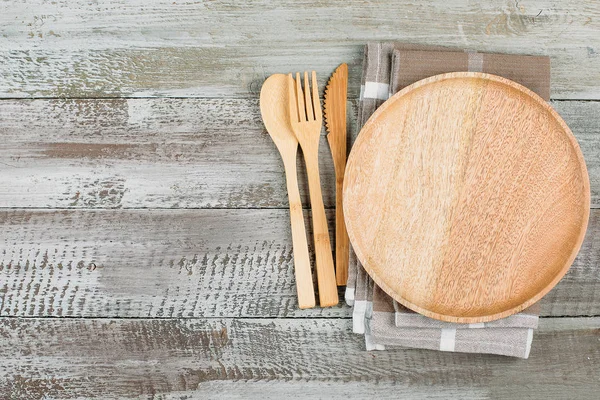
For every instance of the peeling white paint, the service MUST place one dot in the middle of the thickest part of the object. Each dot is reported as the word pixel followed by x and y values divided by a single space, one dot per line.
pixel 138 111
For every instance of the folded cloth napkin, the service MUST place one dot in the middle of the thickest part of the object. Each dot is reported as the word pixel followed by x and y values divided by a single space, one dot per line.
pixel 404 317
pixel 383 333
pixel 387 68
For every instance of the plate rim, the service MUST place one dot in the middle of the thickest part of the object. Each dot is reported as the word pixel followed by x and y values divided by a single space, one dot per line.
pixel 586 189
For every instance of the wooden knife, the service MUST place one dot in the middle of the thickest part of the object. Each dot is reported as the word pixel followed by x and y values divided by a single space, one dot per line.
pixel 336 94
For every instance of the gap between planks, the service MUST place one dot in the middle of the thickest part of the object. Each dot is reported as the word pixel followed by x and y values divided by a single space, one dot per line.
pixel 93 358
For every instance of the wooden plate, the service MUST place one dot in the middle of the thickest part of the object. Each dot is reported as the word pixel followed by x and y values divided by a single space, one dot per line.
pixel 466 197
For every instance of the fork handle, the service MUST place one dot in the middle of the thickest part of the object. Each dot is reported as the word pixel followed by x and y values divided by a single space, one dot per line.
pixel 328 295
pixel 302 270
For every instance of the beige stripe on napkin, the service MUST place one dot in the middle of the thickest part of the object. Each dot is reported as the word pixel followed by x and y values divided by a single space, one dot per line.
pixel 410 66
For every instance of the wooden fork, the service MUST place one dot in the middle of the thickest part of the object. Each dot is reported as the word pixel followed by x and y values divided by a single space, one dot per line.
pixel 306 120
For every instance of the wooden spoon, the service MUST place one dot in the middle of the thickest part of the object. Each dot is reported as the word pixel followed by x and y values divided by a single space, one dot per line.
pixel 276 117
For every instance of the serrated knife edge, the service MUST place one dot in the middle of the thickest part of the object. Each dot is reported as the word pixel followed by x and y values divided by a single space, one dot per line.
pixel 335 114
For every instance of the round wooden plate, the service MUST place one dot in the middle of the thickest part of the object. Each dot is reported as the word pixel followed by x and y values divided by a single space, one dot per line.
pixel 466 197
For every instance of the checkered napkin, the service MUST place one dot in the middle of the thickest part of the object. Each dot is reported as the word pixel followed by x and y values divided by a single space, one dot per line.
pixel 387 68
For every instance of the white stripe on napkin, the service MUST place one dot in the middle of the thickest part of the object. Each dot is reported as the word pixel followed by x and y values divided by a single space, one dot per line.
pixel 358 316
pixel 448 339
pixel 529 340
pixel 349 296
pixel 376 90
pixel 477 325
pixel 475 63
pixel 370 344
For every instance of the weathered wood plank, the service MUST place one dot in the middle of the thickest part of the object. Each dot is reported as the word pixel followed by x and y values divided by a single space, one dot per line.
pixel 260 358
pixel 159 263
pixel 190 48
pixel 173 153
pixel 281 389
pixel 188 263
pixel 159 153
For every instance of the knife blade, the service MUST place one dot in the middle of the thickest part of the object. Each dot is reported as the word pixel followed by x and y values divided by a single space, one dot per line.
pixel 336 93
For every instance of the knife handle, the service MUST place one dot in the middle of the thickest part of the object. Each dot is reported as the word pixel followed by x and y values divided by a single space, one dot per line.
pixel 342 247
pixel 302 269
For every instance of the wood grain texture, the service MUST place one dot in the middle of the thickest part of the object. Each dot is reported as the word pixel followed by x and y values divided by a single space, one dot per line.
pixel 466 197
pixel 94 358
pixel 188 263
pixel 306 119
pixel 278 389
pixel 190 48
pixel 149 263
pixel 276 117
pixel 174 153
pixel 158 153
pixel 335 113
pixel 180 153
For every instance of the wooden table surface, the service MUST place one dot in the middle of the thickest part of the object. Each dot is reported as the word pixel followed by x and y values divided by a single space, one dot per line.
pixel 145 246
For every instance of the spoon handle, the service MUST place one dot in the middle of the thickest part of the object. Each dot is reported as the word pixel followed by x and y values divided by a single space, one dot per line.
pixel 328 295
pixel 304 282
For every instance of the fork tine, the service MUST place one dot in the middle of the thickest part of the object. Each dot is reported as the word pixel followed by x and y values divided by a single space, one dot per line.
pixel 301 105
pixel 307 100
pixel 315 98
pixel 292 101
